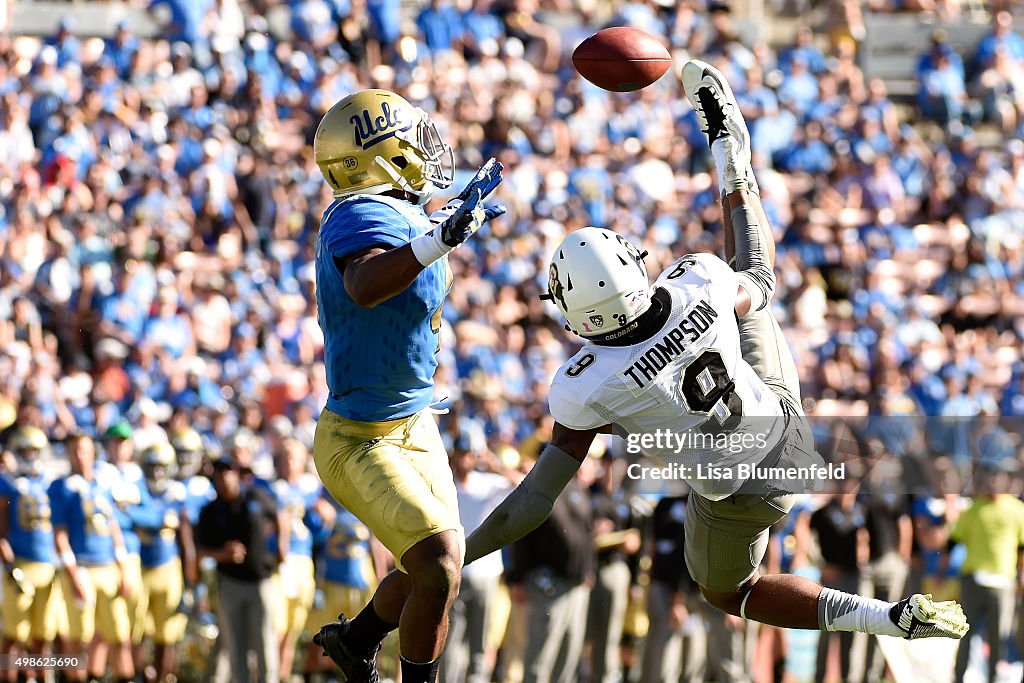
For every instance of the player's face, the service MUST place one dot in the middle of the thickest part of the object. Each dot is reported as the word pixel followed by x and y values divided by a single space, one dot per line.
pixel 188 463
pixel 82 456
pixel 28 459
pixel 156 477
pixel 119 451
pixel 227 481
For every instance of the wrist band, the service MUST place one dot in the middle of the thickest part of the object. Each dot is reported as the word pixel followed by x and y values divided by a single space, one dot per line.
pixel 120 554
pixel 428 247
pixel 67 558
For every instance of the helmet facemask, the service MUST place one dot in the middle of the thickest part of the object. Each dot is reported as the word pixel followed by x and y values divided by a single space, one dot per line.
pixel 189 463
pixel 438 155
pixel 29 462
pixel 158 476
pixel 437 159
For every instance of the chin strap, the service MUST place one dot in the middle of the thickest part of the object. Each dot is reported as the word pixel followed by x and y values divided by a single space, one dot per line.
pixel 421 196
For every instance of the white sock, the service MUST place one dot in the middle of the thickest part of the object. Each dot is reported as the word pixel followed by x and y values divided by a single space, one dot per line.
pixel 720 152
pixel 730 176
pixel 839 611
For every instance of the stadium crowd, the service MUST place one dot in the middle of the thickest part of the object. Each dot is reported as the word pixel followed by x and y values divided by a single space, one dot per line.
pixel 158 212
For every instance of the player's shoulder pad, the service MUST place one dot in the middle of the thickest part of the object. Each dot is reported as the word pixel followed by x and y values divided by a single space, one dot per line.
pixel 76 483
pixel 132 472
pixel 363 207
pixel 198 486
pixel 176 492
pixel 701 264
pixel 572 387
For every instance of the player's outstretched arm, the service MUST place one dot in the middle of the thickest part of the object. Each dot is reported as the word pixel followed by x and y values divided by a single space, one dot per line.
pixel 749 249
pixel 376 274
pixel 530 503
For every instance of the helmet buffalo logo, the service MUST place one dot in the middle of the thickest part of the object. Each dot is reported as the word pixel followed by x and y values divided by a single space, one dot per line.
pixel 370 130
pixel 597 319
pixel 555 286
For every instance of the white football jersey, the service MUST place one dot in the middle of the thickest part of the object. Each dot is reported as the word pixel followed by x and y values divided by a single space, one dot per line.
pixel 689 379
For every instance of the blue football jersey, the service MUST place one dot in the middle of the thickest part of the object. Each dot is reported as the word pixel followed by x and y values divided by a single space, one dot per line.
pixel 198 492
pixel 380 361
pixel 346 551
pixel 86 510
pixel 29 517
pixel 297 499
pixel 160 543
pixel 133 505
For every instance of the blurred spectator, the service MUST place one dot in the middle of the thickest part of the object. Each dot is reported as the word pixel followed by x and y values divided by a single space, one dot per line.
pixel 992 529
pixel 675 649
pixel 943 92
pixel 616 540
pixel 841 528
pixel 466 658
pixel 890 538
pixel 441 26
pixel 551 573
pixel 1002 37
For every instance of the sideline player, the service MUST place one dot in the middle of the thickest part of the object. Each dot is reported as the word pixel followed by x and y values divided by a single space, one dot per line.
pixel 296 492
pixel 26 550
pixel 674 356
pixel 347 573
pixel 121 475
pixel 96 573
pixel 381 278
pixel 167 552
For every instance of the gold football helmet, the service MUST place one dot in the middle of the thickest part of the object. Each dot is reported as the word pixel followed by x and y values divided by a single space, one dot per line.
pixel 374 141
pixel 28 438
pixel 28 443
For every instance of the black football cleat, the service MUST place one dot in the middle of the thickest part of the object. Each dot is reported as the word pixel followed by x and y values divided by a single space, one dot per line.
pixel 356 667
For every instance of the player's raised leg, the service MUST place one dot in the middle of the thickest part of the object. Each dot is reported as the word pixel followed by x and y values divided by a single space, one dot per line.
pixel 780 600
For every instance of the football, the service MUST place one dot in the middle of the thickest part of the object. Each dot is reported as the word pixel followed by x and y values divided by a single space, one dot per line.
pixel 621 59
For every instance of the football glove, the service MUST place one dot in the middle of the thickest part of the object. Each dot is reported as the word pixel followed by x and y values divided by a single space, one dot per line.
pixel 457 220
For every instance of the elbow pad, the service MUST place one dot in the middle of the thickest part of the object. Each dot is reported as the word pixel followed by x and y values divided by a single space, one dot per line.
pixel 526 507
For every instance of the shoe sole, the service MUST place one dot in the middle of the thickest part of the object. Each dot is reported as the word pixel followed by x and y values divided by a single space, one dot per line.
pixel 946 618
pixel 692 76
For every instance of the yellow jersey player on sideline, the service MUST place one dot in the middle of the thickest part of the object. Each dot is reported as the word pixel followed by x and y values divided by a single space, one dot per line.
pixel 381 277
pixel 167 552
pixel 698 354
pixel 29 599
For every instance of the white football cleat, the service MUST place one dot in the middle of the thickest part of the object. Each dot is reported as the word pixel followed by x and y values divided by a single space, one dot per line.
pixel 919 617
pixel 720 119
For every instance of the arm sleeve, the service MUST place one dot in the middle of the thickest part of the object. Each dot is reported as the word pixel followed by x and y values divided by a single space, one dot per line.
pixel 755 272
pixel 526 507
pixel 359 224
